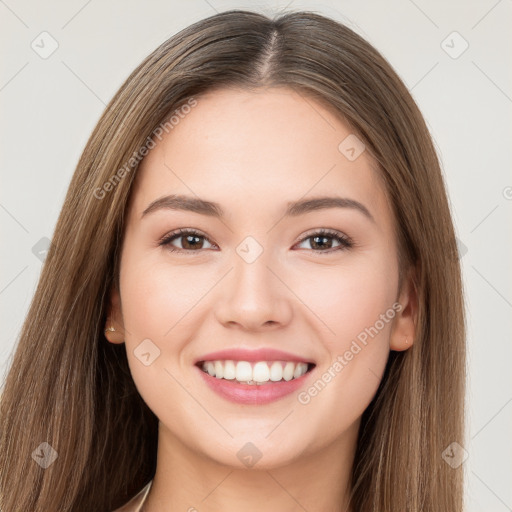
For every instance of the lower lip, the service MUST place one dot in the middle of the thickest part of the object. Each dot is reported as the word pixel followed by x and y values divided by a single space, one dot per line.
pixel 253 394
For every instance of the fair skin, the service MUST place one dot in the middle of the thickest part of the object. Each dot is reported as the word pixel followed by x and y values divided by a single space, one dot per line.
pixel 253 152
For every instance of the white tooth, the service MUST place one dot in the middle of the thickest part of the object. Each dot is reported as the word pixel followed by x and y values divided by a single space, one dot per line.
pixel 276 371
pixel 300 370
pixel 288 371
pixel 229 370
pixel 210 368
pixel 260 372
pixel 219 370
pixel 243 371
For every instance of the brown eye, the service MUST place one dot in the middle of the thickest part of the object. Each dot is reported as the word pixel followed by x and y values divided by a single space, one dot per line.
pixel 191 240
pixel 322 241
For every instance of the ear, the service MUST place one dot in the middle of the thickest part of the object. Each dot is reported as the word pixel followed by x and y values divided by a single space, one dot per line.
pixel 114 318
pixel 404 326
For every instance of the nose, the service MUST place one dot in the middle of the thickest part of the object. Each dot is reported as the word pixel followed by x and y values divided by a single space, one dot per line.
pixel 253 296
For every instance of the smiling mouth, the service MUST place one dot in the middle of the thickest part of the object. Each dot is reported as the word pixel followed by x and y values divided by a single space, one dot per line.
pixel 255 372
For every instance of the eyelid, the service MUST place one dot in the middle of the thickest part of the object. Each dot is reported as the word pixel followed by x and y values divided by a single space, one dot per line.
pixel 345 241
pixel 166 239
pixel 323 231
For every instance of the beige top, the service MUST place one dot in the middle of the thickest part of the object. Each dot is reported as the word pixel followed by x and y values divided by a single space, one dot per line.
pixel 135 504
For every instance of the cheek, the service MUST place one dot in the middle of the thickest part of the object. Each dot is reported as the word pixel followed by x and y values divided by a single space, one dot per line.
pixel 355 302
pixel 157 296
pixel 352 298
pixel 356 305
pixel 161 302
pixel 158 302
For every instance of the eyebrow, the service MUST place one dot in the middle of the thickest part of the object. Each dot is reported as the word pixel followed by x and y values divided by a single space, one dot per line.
pixel 294 208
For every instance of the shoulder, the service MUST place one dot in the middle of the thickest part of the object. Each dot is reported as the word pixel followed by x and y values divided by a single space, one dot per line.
pixel 134 505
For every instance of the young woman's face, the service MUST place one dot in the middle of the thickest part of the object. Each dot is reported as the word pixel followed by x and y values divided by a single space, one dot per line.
pixel 256 277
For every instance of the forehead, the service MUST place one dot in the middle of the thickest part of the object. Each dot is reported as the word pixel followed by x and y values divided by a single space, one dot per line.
pixel 260 149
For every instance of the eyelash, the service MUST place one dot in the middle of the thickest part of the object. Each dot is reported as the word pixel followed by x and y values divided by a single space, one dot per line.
pixel 345 241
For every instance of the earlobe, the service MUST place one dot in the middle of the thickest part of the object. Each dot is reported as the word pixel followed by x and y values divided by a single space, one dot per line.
pixel 113 335
pixel 400 344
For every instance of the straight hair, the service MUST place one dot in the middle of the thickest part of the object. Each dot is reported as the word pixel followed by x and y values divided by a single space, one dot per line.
pixel 68 387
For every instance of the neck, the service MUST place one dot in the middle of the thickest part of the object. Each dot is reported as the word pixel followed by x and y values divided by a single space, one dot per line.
pixel 190 481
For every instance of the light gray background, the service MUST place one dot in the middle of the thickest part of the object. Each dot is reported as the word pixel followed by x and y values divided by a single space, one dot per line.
pixel 50 105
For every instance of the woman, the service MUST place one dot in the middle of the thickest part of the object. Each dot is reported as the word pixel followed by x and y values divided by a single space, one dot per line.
pixel 253 297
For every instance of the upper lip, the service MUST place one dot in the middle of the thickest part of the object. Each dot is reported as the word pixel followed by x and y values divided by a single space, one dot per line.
pixel 261 354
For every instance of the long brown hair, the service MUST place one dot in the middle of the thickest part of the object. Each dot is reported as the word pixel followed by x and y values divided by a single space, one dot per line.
pixel 68 387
